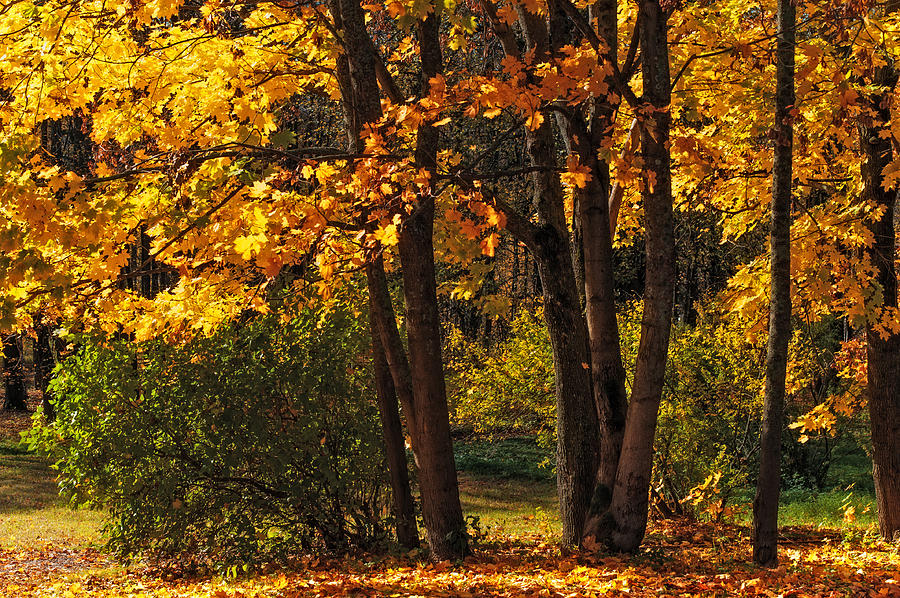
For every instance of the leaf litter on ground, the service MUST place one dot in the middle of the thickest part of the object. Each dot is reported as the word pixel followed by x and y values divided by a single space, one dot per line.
pixel 679 558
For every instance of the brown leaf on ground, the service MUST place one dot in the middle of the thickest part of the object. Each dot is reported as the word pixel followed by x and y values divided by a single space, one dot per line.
pixel 818 566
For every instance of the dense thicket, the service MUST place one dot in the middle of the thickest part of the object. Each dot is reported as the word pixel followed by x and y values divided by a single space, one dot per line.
pixel 260 440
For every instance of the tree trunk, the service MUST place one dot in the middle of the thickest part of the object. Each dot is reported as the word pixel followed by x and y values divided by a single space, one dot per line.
pixel 627 521
pixel 607 369
pixel 16 398
pixel 362 105
pixel 576 419
pixel 394 445
pixel 43 365
pixel 593 216
pixel 381 310
pixel 768 486
pixel 883 346
pixel 441 509
pixel 548 241
pixel 577 429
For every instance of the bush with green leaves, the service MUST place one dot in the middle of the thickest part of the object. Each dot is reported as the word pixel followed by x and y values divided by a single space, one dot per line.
pixel 708 429
pixel 508 387
pixel 707 437
pixel 258 441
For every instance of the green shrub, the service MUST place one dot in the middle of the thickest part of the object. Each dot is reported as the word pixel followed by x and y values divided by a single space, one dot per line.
pixel 252 443
pixel 708 430
pixel 508 387
pixel 708 426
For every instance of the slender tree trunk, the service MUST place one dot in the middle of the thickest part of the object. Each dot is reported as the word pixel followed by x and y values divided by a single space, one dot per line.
pixel 382 313
pixel 883 356
pixel 44 364
pixel 576 419
pixel 425 397
pixel 146 279
pixel 768 486
pixel 883 345
pixel 394 446
pixel 441 509
pixel 361 98
pixel 607 369
pixel 577 429
pixel 627 521
pixel 16 398
pixel 592 211
pixel 548 241
pixel 429 455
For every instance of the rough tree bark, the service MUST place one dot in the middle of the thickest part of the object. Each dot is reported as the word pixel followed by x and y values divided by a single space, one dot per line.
pixel 441 509
pixel 576 417
pixel 403 505
pixel 626 521
pixel 883 346
pixel 576 420
pixel 16 398
pixel 419 380
pixel 359 90
pixel 585 136
pixel 768 486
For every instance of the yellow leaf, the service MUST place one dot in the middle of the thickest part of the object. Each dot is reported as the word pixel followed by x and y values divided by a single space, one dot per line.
pixel 387 235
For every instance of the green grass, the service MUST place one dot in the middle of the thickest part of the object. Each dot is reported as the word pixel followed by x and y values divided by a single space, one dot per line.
pixel 828 509
pixel 513 458
pixel 509 507
pixel 508 486
pixel 32 514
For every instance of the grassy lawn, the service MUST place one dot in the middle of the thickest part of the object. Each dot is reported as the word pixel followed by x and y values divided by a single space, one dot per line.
pixel 829 509
pixel 510 507
pixel 505 484
pixel 507 489
pixel 32 514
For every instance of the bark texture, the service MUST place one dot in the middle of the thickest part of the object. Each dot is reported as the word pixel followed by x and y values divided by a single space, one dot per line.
pixel 441 509
pixel 626 522
pixel 576 420
pixel 883 346
pixel 577 428
pixel 357 75
pixel 607 369
pixel 16 398
pixel 768 485
pixel 403 506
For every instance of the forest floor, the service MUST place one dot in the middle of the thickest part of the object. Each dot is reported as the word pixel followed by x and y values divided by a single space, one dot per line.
pixel 49 550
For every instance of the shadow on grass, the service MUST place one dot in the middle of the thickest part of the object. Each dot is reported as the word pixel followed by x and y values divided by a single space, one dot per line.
pixel 26 481
pixel 32 513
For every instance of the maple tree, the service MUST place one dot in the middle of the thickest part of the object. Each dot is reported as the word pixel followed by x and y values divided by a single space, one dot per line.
pixel 768 486
pixel 882 337
pixel 148 141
